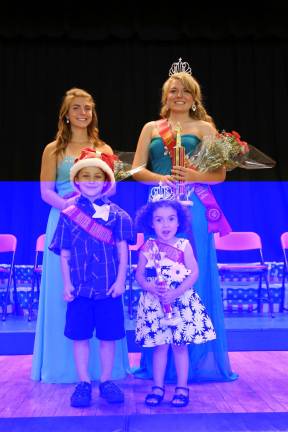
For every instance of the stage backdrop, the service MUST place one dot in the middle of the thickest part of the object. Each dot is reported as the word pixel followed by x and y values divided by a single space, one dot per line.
pixel 249 206
pixel 123 58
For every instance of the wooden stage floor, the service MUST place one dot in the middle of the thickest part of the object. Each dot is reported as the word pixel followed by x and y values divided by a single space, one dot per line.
pixel 261 388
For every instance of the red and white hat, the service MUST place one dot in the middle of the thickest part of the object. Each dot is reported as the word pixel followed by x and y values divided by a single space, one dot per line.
pixel 91 157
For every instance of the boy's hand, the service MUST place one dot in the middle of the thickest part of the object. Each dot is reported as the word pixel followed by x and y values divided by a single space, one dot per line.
pixel 68 290
pixel 116 289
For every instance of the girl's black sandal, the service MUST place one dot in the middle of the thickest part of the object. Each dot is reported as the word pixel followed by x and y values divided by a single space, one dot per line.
pixel 154 399
pixel 179 399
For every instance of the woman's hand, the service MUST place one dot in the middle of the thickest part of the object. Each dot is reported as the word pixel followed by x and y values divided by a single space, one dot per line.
pixel 168 180
pixel 70 201
pixel 184 174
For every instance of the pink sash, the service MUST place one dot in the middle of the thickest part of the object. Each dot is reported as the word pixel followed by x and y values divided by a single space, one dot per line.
pixel 217 222
pixel 88 224
pixel 171 252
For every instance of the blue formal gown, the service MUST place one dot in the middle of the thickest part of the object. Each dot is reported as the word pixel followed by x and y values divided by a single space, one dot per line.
pixel 53 360
pixel 209 361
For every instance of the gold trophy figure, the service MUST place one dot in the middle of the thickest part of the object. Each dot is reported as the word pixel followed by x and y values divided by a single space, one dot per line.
pixel 178 158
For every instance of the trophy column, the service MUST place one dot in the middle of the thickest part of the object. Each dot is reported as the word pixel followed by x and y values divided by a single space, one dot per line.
pixel 178 158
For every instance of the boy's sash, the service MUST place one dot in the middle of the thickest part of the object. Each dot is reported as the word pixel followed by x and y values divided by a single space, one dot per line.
pixel 217 222
pixel 88 224
pixel 171 252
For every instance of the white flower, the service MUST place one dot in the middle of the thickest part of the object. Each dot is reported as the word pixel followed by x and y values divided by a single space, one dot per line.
pixel 198 306
pixel 149 341
pixel 178 272
pixel 208 322
pixel 189 331
pixel 155 326
pixel 210 334
pixel 145 331
pixel 177 336
pixel 185 298
pixel 198 339
pixel 198 322
pixel 187 314
pixel 151 315
pixel 181 326
pixel 162 338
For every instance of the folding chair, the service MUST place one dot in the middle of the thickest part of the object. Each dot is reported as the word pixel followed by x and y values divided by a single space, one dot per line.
pixel 244 241
pixel 36 273
pixel 132 267
pixel 284 245
pixel 8 246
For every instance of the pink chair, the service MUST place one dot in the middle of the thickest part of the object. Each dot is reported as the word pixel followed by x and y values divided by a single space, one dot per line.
pixel 131 271
pixel 284 245
pixel 37 272
pixel 245 241
pixel 8 246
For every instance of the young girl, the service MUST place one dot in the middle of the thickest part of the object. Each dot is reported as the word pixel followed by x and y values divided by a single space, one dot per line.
pixel 173 254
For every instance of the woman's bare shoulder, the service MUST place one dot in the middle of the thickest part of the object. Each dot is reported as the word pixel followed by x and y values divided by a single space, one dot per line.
pixel 149 126
pixel 50 148
pixel 105 148
pixel 205 128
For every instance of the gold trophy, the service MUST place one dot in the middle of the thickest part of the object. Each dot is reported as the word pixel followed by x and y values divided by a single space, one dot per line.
pixel 169 318
pixel 178 158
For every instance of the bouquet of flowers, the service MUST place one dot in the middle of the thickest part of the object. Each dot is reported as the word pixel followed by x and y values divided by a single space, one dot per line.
pixel 123 165
pixel 227 149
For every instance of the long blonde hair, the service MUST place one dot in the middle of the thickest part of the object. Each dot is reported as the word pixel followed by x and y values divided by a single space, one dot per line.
pixel 64 133
pixel 189 83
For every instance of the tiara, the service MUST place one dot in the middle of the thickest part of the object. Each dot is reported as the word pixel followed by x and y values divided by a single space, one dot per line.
pixel 180 67
pixel 159 193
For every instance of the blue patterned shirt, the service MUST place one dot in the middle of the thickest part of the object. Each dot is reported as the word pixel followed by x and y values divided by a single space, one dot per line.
pixel 93 263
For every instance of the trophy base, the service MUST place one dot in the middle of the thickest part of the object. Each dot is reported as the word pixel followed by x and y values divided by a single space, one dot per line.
pixel 186 202
pixel 170 321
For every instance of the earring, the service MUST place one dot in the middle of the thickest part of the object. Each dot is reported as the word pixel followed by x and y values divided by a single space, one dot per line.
pixel 194 107
pixel 67 120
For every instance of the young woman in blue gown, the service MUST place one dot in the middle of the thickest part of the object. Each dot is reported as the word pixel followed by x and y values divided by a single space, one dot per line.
pixel 53 360
pixel 182 106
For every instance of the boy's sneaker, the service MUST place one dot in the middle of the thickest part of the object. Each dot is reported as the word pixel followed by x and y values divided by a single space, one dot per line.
pixel 111 392
pixel 82 395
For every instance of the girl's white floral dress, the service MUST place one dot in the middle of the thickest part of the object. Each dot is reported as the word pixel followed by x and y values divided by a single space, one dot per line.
pixel 195 325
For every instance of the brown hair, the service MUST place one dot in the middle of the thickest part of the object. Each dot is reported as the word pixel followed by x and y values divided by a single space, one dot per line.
pixel 189 83
pixel 64 133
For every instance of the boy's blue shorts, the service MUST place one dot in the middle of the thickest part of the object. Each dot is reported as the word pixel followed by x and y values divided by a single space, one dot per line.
pixel 84 315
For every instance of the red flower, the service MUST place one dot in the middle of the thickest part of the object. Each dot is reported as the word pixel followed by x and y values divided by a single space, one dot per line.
pixel 236 134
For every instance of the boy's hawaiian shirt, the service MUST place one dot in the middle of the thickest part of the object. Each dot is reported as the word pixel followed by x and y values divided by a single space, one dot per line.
pixel 93 263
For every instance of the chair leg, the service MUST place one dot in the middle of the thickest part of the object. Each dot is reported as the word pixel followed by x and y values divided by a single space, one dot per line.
pixel 15 296
pixel 4 307
pixel 30 308
pixel 6 299
pixel 270 301
pixel 259 295
pixel 283 289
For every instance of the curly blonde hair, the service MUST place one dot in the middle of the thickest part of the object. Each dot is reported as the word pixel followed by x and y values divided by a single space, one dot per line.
pixel 64 133
pixel 189 83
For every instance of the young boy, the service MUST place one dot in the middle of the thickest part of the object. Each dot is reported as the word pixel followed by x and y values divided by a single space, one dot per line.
pixel 91 238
